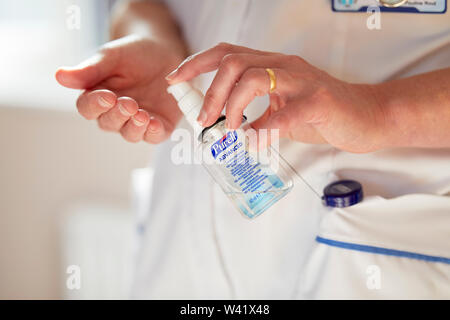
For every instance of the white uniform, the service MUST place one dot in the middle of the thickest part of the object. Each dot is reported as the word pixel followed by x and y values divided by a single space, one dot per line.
pixel 395 244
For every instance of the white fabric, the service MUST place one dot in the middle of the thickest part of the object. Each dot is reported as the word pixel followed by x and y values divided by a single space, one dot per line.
pixel 336 273
pixel 196 245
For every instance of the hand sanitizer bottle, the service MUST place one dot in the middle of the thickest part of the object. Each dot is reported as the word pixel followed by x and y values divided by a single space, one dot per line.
pixel 251 181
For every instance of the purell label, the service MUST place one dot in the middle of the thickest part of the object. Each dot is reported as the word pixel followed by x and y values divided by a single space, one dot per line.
pixel 223 143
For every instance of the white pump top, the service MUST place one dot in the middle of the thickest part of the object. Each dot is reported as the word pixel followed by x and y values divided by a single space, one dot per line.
pixel 190 102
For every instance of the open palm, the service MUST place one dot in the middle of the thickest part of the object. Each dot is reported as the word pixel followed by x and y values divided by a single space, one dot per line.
pixel 125 89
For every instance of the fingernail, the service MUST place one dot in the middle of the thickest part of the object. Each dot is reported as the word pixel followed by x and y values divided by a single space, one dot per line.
pixel 123 110
pixel 137 122
pixel 171 75
pixel 153 125
pixel 202 117
pixel 227 124
pixel 104 103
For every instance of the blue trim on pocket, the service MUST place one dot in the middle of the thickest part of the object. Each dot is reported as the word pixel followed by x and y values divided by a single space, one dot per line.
pixel 379 250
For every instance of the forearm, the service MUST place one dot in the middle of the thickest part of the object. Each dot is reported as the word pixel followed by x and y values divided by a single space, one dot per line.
pixel 416 110
pixel 149 19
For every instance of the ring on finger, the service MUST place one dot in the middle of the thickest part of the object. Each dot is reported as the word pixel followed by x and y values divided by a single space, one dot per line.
pixel 273 80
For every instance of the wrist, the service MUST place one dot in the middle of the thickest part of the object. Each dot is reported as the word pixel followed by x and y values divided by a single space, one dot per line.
pixel 176 46
pixel 368 118
pixel 148 20
pixel 399 121
pixel 386 127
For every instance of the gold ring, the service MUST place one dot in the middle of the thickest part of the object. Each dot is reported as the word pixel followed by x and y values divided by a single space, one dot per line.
pixel 273 80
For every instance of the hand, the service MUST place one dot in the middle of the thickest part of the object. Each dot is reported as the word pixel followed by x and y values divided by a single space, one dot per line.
pixel 125 90
pixel 307 105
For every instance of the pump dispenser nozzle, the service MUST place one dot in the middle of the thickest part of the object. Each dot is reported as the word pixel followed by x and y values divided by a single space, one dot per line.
pixel 190 102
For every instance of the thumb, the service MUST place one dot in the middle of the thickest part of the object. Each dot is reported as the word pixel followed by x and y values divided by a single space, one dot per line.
pixel 266 127
pixel 86 74
pixel 290 123
pixel 274 124
pixel 278 115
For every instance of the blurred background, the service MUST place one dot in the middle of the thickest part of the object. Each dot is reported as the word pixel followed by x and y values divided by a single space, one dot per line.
pixel 65 186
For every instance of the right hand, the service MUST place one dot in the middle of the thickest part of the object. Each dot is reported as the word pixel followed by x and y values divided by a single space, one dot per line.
pixel 125 89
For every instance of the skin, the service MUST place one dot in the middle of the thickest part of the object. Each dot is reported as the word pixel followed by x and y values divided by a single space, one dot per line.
pixel 124 86
pixel 125 91
pixel 311 106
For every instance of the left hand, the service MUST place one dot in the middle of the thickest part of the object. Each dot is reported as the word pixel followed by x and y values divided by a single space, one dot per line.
pixel 307 105
pixel 124 88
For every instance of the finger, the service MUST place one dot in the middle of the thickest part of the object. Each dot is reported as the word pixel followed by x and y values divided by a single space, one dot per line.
pixel 254 82
pixel 262 120
pixel 289 123
pixel 116 117
pixel 88 73
pixel 230 71
pixel 158 130
pixel 91 104
pixel 276 103
pixel 134 129
pixel 207 61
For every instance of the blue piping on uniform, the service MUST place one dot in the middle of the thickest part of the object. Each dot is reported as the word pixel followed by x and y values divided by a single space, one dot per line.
pixel 379 250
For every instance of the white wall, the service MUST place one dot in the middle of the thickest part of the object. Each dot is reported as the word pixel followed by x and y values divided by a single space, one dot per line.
pixel 50 160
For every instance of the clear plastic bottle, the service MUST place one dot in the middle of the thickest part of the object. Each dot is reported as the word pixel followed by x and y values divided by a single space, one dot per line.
pixel 253 180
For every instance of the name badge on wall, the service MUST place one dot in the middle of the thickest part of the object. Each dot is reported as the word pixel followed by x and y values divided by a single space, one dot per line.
pixel 406 6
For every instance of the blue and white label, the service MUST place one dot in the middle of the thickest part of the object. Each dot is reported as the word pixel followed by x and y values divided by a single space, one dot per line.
pixel 257 185
pixel 223 143
pixel 411 6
